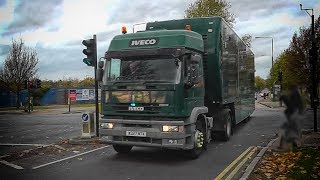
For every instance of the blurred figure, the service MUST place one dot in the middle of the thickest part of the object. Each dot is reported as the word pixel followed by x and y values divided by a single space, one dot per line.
pixel 291 129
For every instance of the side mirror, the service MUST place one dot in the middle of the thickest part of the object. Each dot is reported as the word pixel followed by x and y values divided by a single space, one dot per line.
pixel 192 76
pixel 100 71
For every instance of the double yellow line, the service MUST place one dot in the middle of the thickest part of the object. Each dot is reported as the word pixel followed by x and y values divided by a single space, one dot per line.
pixel 247 153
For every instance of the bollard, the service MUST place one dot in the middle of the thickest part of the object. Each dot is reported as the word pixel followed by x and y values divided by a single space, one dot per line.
pixel 69 103
pixel 88 125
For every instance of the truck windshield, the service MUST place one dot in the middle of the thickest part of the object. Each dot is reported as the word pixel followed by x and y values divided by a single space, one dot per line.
pixel 144 70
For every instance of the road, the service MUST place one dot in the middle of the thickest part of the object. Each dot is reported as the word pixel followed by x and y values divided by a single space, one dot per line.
pixel 140 163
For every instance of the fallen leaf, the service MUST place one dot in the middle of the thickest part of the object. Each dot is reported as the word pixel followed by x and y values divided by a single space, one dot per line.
pixel 268 174
pixel 303 171
pixel 291 165
pixel 270 171
pixel 314 176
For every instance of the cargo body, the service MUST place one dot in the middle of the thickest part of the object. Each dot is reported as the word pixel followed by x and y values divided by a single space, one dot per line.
pixel 176 85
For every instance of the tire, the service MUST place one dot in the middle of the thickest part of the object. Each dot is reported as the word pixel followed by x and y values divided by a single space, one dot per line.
pixel 122 149
pixel 199 146
pixel 226 134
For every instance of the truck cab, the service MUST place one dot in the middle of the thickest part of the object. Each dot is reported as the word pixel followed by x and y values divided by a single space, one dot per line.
pixel 153 82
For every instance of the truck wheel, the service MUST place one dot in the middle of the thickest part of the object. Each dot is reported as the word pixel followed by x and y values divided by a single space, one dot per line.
pixel 226 134
pixel 122 148
pixel 199 143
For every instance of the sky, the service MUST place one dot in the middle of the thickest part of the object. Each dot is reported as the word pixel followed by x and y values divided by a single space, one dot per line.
pixel 56 28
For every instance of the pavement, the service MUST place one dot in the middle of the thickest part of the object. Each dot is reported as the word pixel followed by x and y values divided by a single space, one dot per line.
pixel 307 139
pixel 54 109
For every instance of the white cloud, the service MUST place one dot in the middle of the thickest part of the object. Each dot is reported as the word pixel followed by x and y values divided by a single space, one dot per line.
pixel 59 41
pixel 6 12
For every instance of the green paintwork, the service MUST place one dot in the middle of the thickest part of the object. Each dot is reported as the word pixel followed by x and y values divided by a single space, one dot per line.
pixel 164 101
pixel 227 68
pixel 167 39
pixel 211 49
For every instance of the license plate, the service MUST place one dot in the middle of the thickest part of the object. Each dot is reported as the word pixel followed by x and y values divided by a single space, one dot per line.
pixel 136 133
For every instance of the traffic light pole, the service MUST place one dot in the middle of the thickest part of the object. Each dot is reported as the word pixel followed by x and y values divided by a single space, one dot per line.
pixel 96 85
pixel 315 98
pixel 28 97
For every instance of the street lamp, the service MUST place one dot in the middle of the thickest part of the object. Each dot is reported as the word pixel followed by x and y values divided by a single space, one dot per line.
pixel 313 61
pixel 260 37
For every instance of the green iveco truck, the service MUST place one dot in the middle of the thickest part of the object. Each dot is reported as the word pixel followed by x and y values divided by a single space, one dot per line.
pixel 175 85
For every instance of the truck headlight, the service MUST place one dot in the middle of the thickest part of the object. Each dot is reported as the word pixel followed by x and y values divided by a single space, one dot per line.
pixel 166 128
pixel 106 125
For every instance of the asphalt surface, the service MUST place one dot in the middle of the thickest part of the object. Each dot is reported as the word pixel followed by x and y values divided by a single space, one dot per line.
pixel 140 163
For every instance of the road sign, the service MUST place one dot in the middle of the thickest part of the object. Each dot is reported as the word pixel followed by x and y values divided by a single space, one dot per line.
pixel 85 117
pixel 73 94
pixel 91 94
pixel 85 94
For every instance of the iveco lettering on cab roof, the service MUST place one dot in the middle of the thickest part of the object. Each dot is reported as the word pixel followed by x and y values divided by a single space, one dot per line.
pixel 143 42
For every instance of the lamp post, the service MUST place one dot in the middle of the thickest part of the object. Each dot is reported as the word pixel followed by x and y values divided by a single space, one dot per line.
pixel 313 61
pixel 268 37
pixel 260 37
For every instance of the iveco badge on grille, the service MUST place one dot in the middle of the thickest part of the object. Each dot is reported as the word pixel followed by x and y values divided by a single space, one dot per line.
pixel 135 108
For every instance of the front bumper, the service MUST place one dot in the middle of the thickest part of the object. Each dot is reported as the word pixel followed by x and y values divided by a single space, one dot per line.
pixel 154 136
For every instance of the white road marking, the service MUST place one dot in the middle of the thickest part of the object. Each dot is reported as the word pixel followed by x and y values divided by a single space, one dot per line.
pixel 4 156
pixel 10 164
pixel 8 144
pixel 70 157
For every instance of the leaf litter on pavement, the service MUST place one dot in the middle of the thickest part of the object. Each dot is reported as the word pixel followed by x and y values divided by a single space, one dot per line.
pixel 300 163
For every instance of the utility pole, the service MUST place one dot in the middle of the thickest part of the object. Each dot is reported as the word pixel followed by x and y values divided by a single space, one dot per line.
pixel 313 53
pixel 259 37
pixel 96 85
pixel 280 82
pixel 91 60
pixel 29 98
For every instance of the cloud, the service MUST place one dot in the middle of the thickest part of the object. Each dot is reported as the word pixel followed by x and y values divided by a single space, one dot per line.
pixel 56 28
pixel 141 11
pixel 29 15
pixel 60 63
pixel 4 49
pixel 2 2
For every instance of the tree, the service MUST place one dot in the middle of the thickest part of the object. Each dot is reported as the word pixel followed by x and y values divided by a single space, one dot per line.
pixel 247 38
pixel 259 83
pixel 19 65
pixel 294 61
pixel 207 8
pixel 88 81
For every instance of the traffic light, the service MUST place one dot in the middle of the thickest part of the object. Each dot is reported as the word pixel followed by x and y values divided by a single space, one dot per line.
pixel 91 51
pixel 38 83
